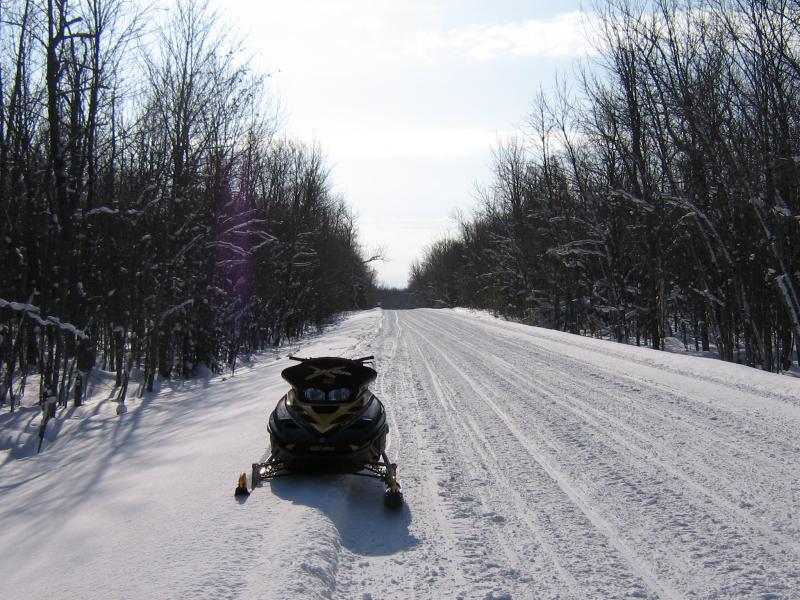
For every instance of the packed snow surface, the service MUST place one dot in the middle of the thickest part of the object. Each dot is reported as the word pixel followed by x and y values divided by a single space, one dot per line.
pixel 535 464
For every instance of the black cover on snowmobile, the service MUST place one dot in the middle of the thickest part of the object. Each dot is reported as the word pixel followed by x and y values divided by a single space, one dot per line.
pixel 329 373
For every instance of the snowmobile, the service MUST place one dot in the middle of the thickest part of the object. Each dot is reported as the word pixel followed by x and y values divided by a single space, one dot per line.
pixel 329 422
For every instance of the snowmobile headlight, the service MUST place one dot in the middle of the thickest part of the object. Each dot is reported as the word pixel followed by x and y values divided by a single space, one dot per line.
pixel 314 395
pixel 339 395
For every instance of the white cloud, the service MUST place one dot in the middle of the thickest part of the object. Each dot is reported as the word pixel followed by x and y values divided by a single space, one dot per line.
pixel 560 37
pixel 404 99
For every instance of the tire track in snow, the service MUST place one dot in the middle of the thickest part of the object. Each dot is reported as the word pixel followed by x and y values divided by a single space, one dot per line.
pixel 416 457
pixel 607 424
pixel 451 535
pixel 523 386
pixel 580 355
pixel 706 480
pixel 615 386
pixel 432 564
pixel 771 542
pixel 493 467
pixel 586 345
pixel 533 471
pixel 531 569
pixel 602 553
pixel 466 550
pixel 678 401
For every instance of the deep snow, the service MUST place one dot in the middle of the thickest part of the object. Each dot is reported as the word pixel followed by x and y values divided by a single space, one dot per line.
pixel 534 464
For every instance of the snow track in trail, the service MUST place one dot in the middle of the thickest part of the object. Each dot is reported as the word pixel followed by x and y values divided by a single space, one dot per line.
pixel 611 421
pixel 546 494
pixel 684 517
pixel 674 439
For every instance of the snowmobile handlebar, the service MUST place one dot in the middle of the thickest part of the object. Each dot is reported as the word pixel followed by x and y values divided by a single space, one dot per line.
pixel 363 359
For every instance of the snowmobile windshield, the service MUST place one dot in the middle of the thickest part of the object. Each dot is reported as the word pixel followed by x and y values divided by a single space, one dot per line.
pixel 331 375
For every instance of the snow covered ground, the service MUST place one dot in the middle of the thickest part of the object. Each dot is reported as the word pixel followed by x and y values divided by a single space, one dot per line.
pixel 535 464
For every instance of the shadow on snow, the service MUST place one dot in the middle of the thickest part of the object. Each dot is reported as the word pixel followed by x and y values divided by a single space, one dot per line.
pixel 355 506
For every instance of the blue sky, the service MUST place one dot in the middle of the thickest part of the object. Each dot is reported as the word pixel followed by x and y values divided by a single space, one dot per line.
pixel 408 98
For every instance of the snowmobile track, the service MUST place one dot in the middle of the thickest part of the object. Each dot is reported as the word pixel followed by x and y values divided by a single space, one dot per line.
pixel 555 413
pixel 638 567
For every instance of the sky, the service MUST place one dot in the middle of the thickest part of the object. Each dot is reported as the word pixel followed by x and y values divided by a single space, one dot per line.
pixel 408 98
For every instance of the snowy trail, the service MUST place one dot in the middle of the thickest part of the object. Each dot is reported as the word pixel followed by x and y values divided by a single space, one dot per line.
pixel 534 464
pixel 559 466
pixel 660 490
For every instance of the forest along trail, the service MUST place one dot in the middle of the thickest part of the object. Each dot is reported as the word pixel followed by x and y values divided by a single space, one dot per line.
pixel 538 463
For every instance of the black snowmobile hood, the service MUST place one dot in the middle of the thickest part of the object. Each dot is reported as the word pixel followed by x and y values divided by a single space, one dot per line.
pixel 329 372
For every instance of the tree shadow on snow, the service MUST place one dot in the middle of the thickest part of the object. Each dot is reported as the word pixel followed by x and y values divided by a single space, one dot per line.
pixel 355 506
pixel 103 438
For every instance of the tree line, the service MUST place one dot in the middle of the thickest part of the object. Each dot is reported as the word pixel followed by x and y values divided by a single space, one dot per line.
pixel 657 197
pixel 151 215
